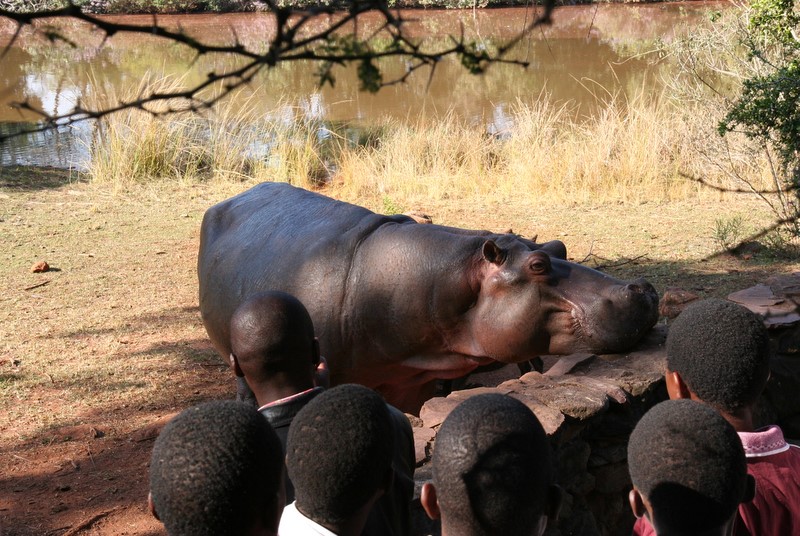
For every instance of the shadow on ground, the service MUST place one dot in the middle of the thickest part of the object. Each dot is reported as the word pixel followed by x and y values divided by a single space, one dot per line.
pixel 90 471
pixel 715 277
pixel 31 178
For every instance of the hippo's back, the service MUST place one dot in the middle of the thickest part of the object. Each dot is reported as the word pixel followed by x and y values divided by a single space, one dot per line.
pixel 278 237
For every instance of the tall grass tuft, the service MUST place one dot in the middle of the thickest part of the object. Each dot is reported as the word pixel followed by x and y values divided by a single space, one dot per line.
pixel 233 142
pixel 136 145
pixel 631 151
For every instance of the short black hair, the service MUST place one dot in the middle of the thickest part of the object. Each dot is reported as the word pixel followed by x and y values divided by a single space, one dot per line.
pixel 492 466
pixel 688 462
pixel 721 350
pixel 271 332
pixel 214 467
pixel 339 452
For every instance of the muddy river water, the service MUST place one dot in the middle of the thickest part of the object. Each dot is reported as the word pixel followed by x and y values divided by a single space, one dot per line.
pixel 587 54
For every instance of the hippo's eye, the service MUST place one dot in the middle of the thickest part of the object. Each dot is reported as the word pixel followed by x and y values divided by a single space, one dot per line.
pixel 539 265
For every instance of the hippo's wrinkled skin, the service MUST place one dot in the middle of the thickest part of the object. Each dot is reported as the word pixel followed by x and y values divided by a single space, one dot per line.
pixel 397 304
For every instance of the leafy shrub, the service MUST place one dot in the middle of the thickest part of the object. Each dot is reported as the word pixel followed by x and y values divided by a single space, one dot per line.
pixel 768 108
pixel 728 232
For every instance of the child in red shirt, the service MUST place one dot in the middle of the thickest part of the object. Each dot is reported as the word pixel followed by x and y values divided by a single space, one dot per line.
pixel 688 470
pixel 718 353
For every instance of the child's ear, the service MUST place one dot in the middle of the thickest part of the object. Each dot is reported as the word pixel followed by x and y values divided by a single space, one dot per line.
pixel 322 375
pixel 152 506
pixel 315 353
pixel 429 502
pixel 749 489
pixel 233 363
pixel 637 503
pixel 676 387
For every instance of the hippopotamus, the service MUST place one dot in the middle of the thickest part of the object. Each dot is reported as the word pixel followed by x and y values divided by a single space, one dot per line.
pixel 397 304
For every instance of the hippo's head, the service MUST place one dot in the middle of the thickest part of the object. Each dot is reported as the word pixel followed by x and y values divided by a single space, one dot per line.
pixel 533 301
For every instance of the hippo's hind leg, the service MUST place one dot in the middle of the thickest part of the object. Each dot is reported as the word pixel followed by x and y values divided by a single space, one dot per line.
pixel 243 392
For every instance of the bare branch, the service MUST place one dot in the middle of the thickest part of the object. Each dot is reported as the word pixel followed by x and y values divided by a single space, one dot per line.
pixel 609 264
pixel 725 189
pixel 293 40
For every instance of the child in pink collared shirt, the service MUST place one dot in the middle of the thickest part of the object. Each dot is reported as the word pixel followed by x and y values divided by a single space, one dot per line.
pixel 718 353
pixel 775 464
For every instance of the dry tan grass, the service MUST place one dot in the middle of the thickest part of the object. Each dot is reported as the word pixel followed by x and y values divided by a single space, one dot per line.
pixel 232 142
pixel 634 149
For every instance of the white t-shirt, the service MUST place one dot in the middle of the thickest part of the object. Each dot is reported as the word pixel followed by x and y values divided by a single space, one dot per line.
pixel 294 523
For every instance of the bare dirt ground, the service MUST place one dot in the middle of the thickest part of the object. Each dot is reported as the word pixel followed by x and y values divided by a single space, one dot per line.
pixel 97 353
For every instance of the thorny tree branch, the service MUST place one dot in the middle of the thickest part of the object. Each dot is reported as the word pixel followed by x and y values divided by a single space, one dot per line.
pixel 762 194
pixel 607 263
pixel 293 40
pixel 748 190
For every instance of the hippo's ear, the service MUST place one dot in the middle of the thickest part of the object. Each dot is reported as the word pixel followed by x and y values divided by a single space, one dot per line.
pixel 555 248
pixel 493 253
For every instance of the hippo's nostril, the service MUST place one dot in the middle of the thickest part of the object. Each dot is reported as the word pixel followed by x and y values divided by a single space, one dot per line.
pixel 633 287
pixel 641 286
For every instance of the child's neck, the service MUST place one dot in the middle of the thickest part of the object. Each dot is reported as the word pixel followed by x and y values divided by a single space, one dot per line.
pixel 741 419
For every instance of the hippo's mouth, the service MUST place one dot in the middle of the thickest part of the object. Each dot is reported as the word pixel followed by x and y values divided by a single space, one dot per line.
pixel 567 332
pixel 608 324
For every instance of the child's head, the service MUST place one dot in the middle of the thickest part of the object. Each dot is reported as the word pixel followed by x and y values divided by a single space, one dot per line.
pixel 217 469
pixel 271 333
pixel 492 470
pixel 688 469
pixel 720 350
pixel 339 454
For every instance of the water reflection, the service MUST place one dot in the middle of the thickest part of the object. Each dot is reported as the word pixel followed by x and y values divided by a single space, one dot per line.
pixel 583 58
pixel 65 146
pixel 501 124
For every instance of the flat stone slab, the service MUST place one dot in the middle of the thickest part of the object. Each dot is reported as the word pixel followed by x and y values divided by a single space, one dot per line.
pixel 435 410
pixel 610 388
pixel 635 372
pixel 565 365
pixel 674 300
pixel 577 387
pixel 777 300
pixel 559 393
pixel 551 419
